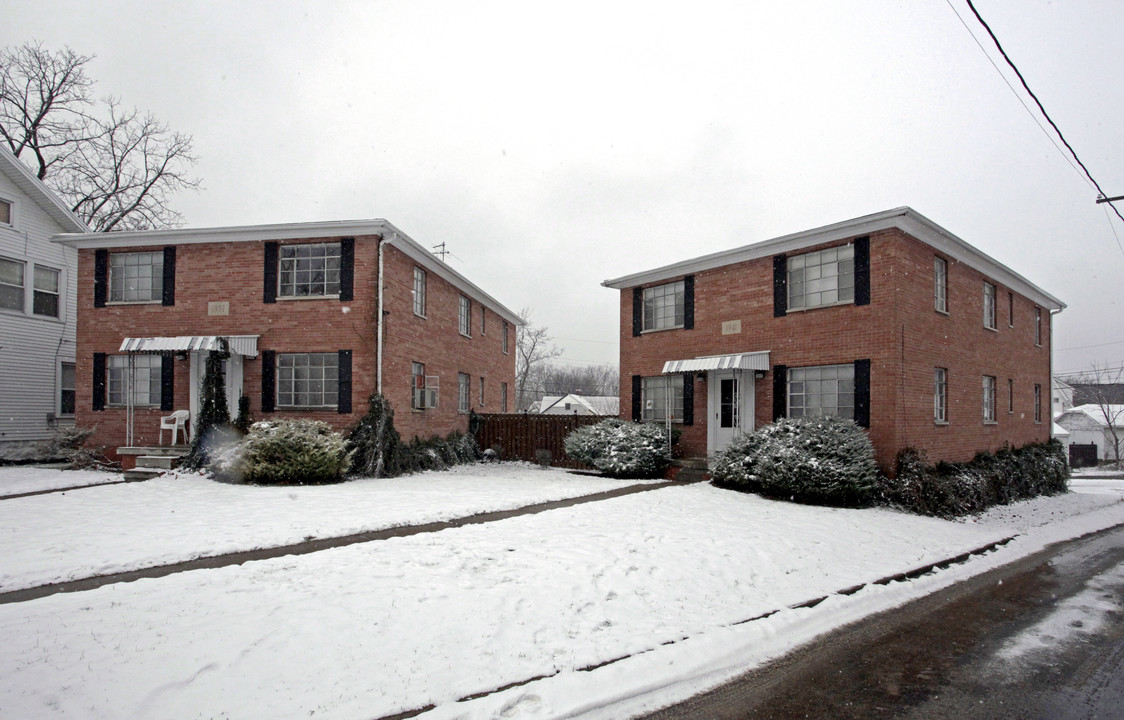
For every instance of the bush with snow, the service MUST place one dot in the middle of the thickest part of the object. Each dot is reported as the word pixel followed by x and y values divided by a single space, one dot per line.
pixel 621 449
pixel 822 461
pixel 291 452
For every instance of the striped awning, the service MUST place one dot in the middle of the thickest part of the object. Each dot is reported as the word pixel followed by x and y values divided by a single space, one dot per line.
pixel 246 345
pixel 736 361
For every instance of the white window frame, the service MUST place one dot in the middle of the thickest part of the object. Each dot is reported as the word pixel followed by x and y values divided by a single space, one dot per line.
pixel 506 329
pixel 823 278
pixel 65 387
pixel 145 384
pixel 808 388
pixel 664 306
pixel 321 381
pixel 145 284
pixel 309 270
pixel 989 291
pixel 940 284
pixel 940 396
pixel 36 291
pixel 654 394
pixel 464 392
pixel 11 221
pixel 419 291
pixel 989 398
pixel 424 389
pixel 464 316
pixel 21 288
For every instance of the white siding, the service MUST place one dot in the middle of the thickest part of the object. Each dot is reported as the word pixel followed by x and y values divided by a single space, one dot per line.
pixel 32 347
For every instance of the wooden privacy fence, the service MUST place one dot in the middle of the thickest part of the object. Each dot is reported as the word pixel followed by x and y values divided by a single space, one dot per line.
pixel 521 436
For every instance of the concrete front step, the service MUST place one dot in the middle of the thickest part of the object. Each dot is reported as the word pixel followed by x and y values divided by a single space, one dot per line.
pixel 142 473
pixel 157 462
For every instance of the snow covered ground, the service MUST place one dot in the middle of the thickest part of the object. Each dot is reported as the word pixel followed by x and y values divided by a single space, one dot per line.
pixel 19 479
pixel 661 579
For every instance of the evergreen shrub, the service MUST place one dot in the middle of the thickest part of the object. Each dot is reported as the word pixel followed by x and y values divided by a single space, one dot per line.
pixel 620 449
pixel 821 461
pixel 291 452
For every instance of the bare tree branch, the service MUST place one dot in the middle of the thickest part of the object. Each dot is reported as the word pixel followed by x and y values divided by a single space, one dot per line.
pixel 533 348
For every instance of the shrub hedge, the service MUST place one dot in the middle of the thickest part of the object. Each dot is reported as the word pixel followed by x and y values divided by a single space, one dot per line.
pixel 621 449
pixel 290 452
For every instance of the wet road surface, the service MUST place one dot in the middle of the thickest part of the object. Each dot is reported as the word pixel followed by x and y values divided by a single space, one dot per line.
pixel 1040 638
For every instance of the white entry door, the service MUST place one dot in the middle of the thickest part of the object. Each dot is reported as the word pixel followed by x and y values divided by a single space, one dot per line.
pixel 729 406
pixel 232 380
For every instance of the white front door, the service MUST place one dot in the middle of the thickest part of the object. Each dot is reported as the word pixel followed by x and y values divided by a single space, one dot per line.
pixel 729 407
pixel 232 380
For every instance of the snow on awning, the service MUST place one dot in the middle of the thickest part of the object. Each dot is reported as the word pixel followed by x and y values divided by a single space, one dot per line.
pixel 737 361
pixel 246 345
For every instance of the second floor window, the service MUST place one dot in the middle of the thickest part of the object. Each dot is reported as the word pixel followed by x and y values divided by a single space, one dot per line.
pixel 11 285
pixel 504 340
pixel 940 284
pixel 45 296
pixel 825 277
pixel 419 292
pixel 5 212
pixel 136 276
pixel 1037 326
pixel 464 322
pixel 309 270
pixel 664 306
pixel 989 306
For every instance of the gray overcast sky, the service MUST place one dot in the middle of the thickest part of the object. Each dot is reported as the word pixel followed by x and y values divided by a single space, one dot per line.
pixel 552 146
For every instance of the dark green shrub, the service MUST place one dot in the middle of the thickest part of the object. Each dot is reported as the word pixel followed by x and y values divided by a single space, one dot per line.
pixel 291 452
pixel 735 467
pixel 822 461
pixel 376 448
pixel 242 421
pixel 621 449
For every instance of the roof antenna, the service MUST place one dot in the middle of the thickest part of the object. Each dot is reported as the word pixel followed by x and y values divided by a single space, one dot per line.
pixel 442 252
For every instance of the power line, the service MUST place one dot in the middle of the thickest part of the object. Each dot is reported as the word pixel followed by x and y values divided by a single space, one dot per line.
pixel 1044 113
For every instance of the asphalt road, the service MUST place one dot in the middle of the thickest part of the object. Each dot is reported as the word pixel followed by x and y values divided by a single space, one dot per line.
pixel 1041 638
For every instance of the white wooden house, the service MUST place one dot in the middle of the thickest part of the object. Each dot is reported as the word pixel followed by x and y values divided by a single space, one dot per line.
pixel 1087 425
pixel 37 310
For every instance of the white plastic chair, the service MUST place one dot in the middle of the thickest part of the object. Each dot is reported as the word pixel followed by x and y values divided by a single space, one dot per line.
pixel 175 422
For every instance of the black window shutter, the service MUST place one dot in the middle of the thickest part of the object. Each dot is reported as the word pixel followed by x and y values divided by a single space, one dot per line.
pixel 862 271
pixel 780 391
pixel 862 393
pixel 101 277
pixel 637 311
pixel 344 400
pixel 637 415
pixel 688 399
pixel 167 382
pixel 169 297
pixel 689 302
pixel 99 381
pixel 780 285
pixel 268 379
pixel 269 293
pixel 347 270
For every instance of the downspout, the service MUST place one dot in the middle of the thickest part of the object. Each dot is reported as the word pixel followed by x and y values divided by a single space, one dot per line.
pixel 379 320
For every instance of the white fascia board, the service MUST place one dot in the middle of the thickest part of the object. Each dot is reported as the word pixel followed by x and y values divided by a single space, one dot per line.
pixel 34 188
pixel 904 218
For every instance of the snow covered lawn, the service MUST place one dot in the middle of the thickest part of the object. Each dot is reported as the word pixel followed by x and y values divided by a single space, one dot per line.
pixel 373 629
pixel 19 479
pixel 94 531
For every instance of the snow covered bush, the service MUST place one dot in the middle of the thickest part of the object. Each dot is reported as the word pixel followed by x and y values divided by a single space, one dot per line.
pixel 291 452
pixel 620 449
pixel 822 461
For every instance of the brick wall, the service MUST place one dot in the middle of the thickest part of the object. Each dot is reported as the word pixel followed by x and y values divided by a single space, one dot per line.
pixel 899 332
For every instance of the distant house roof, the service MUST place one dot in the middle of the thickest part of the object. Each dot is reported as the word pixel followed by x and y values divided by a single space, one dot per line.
pixel 595 404
pixel 292 231
pixel 1058 431
pixel 1096 414
pixel 905 219
pixel 43 196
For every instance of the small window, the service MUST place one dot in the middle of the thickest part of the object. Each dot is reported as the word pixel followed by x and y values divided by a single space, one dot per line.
pixel 940 395
pixel 823 390
pixel 505 330
pixel 423 388
pixel 308 270
pixel 483 320
pixel 503 397
pixel 144 381
pixel 940 284
pixel 307 379
pixel 11 284
pixel 1038 326
pixel 989 306
pixel 825 277
pixel 1011 309
pixel 661 396
pixel 988 399
pixel 66 388
pixel 419 292
pixel 136 276
pixel 1010 397
pixel 5 212
pixel 465 317
pixel 464 391
pixel 1038 403
pixel 664 306
pixel 45 298
pixel 481 392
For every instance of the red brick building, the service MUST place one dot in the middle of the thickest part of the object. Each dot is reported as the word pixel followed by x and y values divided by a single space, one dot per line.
pixel 315 316
pixel 888 319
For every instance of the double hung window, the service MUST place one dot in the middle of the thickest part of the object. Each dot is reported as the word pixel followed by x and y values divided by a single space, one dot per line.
pixel 307 379
pixel 988 399
pixel 45 294
pixel 825 277
pixel 989 306
pixel 11 284
pixel 309 270
pixel 464 392
pixel 464 318
pixel 940 284
pixel 145 380
pixel 661 396
pixel 66 388
pixel 940 395
pixel 664 306
pixel 823 390
pixel 419 292
pixel 504 341
pixel 5 212
pixel 136 276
